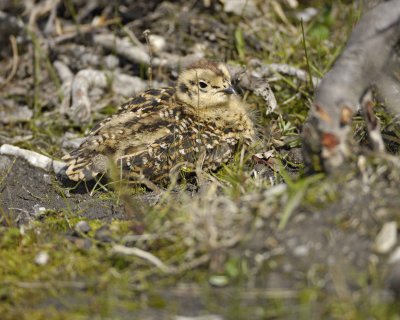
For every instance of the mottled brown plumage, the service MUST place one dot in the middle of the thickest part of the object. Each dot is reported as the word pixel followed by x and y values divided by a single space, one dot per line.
pixel 154 131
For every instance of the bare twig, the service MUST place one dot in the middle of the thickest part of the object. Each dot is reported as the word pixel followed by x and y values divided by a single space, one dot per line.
pixel 35 159
pixel 286 69
pixel 124 47
pixel 15 60
pixel 82 29
pixel 128 251
pixel 138 54
pixel 125 85
pixel 256 81
pixel 149 184
pixel 51 21
pixel 66 76
pixel 146 34
pixel 80 110
pixel 132 36
pixel 31 194
pixel 174 61
pixel 40 9
pixel 192 264
pixel 281 14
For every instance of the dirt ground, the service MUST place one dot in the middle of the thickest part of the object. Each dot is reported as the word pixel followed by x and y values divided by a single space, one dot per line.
pixel 325 251
pixel 255 241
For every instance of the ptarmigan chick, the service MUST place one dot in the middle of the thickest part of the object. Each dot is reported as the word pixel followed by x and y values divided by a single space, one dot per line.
pixel 201 118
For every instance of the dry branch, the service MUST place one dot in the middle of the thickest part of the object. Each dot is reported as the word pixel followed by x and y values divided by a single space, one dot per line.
pixel 35 159
pixel 370 58
pixel 124 47
pixel 139 54
pixel 81 107
pixel 129 251
pixel 267 70
pixel 15 60
pixel 257 83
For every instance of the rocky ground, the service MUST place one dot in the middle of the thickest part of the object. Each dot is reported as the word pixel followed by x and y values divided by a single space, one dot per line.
pixel 259 239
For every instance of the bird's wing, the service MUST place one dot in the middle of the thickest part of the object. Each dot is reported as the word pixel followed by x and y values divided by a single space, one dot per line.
pixel 139 106
pixel 138 122
pixel 187 143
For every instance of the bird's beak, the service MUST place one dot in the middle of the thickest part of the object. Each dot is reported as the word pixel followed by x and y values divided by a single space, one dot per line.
pixel 229 90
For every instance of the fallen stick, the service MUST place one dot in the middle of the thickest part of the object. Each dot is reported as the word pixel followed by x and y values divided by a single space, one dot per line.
pixel 124 47
pixel 129 251
pixel 269 69
pixel 369 60
pixel 81 107
pixel 15 60
pixel 35 159
pixel 138 54
pixel 257 83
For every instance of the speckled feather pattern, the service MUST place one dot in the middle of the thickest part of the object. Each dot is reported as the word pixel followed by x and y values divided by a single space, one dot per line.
pixel 154 131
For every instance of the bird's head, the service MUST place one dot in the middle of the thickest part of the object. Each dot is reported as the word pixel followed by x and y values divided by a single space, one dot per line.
pixel 205 84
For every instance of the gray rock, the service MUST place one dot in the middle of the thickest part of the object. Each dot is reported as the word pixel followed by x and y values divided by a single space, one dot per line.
pixel 82 227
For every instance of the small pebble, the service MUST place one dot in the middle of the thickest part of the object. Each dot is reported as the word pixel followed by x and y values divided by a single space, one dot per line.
pixel 111 62
pixel 386 238
pixel 37 209
pixel 42 258
pixel 47 179
pixel 247 8
pixel 83 244
pixel 301 251
pixel 218 280
pixel 157 43
pixel 10 113
pixel 307 14
pixel 103 234
pixel 82 227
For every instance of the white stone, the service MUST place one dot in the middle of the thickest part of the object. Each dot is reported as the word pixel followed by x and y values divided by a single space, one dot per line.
pixel 307 14
pixel 42 258
pixel 301 251
pixel 239 7
pixel 157 43
pixel 386 238
pixel 37 209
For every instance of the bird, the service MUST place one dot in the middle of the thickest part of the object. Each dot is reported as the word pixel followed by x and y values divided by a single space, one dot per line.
pixel 201 118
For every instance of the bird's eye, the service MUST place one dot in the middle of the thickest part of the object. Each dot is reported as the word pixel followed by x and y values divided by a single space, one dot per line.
pixel 202 84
